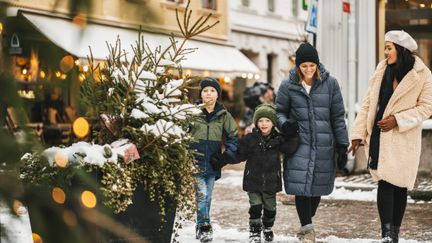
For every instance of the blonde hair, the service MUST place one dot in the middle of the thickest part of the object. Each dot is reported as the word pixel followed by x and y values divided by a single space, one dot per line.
pixel 299 74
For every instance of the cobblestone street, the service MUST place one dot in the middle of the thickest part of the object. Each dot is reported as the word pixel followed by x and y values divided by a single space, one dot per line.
pixel 348 219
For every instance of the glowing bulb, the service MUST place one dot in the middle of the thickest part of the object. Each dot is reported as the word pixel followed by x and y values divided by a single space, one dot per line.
pixel 85 68
pixel 1 28
pixel 69 218
pixel 24 71
pixel 61 159
pixel 42 74
pixel 81 77
pixel 250 75
pixel 422 5
pixel 63 76
pixel 257 76
pixel 58 195
pixel 36 238
pixel 58 74
pixel 81 127
pixel 244 75
pixel 88 199
pixel 227 79
pixel 77 62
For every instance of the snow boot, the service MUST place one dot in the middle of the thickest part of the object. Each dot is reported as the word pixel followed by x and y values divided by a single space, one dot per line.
pixel 205 233
pixel 395 237
pixel 306 234
pixel 386 233
pixel 255 233
pixel 268 234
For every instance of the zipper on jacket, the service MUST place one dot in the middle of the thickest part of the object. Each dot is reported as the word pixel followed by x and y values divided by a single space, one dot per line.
pixel 208 156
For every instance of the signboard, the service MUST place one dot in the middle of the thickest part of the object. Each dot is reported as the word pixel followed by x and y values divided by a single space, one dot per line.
pixel 312 21
pixel 15 48
pixel 346 7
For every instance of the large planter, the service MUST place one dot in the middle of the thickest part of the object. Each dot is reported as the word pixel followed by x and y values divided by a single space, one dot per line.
pixel 70 222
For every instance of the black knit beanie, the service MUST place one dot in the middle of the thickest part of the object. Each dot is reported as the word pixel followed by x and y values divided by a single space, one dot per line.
pixel 210 82
pixel 306 53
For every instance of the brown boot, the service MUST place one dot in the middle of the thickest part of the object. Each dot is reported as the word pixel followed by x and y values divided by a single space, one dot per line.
pixel 306 234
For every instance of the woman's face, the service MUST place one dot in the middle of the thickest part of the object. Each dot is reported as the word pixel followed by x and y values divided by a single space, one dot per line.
pixel 308 70
pixel 390 52
pixel 265 125
pixel 209 95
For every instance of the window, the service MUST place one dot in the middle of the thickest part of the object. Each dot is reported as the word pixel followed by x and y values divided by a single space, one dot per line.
pixel 209 4
pixel 295 7
pixel 245 3
pixel 271 5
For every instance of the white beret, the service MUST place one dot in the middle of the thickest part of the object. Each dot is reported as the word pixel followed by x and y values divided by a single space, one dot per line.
pixel 401 38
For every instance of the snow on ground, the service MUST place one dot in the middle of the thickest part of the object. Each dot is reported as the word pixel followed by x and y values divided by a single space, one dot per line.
pixel 220 235
pixel 235 178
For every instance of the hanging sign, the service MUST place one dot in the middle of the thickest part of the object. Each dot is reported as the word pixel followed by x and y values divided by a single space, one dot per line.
pixel 15 47
pixel 312 22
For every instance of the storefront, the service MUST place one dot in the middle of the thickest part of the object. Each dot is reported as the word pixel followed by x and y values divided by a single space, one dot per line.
pixel 48 56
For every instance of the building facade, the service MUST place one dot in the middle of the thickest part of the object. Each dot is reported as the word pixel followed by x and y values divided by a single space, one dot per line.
pixel 268 32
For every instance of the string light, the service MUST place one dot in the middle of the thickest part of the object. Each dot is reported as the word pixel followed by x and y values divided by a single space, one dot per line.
pixel 81 127
pixel 58 195
pixel 88 199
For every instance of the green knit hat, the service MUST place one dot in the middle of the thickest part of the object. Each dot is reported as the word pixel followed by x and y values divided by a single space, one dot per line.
pixel 265 110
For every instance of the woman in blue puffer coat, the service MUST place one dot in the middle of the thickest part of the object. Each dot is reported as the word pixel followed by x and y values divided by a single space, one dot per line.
pixel 312 98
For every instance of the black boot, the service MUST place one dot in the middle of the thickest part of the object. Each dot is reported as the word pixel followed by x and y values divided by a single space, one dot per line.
pixel 255 233
pixel 268 234
pixel 386 233
pixel 395 236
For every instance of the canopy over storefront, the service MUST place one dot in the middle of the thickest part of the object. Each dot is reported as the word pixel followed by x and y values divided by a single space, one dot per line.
pixel 214 58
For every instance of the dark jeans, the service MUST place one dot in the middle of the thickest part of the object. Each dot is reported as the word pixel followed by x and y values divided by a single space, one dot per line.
pixel 306 208
pixel 392 201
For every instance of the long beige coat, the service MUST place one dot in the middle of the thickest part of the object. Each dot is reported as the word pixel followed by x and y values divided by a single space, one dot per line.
pixel 411 104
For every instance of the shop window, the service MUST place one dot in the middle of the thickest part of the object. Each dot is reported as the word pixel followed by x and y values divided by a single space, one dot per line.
pixel 209 4
pixel 271 5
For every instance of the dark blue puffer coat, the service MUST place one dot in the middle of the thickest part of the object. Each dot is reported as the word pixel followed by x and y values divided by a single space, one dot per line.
pixel 320 115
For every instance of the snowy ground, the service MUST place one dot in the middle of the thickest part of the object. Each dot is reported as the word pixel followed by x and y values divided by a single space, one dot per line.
pixel 230 204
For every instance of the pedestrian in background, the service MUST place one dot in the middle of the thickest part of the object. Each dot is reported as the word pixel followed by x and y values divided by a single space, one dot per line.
pixel 261 150
pixel 313 98
pixel 389 124
pixel 212 129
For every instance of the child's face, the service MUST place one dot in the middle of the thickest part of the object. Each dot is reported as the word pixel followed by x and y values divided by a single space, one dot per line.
pixel 265 125
pixel 209 95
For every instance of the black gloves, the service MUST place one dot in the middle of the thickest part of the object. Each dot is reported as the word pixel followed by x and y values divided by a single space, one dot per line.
pixel 217 161
pixel 342 157
pixel 290 128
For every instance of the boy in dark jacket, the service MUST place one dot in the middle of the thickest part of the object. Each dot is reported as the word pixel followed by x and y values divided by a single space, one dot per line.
pixel 262 176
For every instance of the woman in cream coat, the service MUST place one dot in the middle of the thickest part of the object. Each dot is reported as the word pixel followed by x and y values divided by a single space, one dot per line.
pixel 389 124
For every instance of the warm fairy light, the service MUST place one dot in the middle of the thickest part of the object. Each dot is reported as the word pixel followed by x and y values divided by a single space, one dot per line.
pixel 42 74
pixel 422 5
pixel 36 238
pixel 69 218
pixel 227 79
pixel 60 159
pixel 58 195
pixel 81 77
pixel 1 28
pixel 250 75
pixel 77 62
pixel 67 63
pixel 85 68
pixel 63 76
pixel 244 75
pixel 24 71
pixel 58 74
pixel 81 127
pixel 88 199
pixel 257 76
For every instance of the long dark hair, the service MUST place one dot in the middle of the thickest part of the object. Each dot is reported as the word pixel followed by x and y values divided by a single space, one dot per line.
pixel 405 62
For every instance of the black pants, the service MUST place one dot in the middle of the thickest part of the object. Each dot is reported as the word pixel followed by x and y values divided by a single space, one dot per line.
pixel 306 208
pixel 392 201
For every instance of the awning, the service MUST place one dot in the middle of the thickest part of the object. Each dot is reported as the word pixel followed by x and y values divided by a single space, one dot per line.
pixel 75 40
